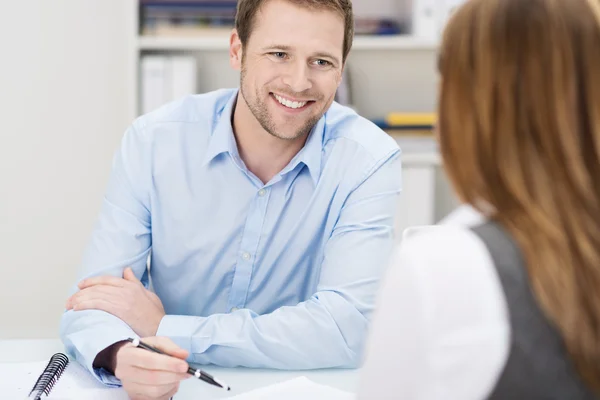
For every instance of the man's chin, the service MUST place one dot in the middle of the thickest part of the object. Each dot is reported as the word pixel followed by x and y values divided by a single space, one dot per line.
pixel 290 136
pixel 289 130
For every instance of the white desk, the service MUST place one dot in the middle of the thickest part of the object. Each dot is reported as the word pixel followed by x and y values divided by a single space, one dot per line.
pixel 241 380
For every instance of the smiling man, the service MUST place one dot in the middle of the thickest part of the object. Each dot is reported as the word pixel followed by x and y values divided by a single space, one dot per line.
pixel 267 211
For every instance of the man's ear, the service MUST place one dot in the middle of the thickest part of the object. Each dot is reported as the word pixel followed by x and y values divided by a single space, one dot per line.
pixel 235 51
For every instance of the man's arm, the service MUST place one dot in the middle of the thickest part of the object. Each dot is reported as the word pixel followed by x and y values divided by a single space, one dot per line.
pixel 329 329
pixel 120 238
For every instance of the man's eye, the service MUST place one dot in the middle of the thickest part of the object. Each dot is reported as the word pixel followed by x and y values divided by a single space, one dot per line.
pixel 323 63
pixel 279 54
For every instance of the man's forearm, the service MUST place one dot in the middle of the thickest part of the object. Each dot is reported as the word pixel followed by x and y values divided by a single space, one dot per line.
pixel 322 332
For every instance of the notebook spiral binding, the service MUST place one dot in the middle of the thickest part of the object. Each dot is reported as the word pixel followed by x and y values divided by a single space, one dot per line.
pixel 56 366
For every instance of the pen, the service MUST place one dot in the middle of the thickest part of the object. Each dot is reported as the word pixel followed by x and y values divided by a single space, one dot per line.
pixel 198 373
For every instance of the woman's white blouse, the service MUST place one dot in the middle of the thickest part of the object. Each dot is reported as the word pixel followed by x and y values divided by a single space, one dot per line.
pixel 441 327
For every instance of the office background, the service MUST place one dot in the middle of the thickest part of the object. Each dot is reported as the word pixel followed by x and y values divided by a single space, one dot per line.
pixel 70 78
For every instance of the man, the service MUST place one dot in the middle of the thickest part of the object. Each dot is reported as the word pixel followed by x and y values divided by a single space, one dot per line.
pixel 268 213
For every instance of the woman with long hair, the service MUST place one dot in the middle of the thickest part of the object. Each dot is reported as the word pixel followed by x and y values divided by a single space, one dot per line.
pixel 508 309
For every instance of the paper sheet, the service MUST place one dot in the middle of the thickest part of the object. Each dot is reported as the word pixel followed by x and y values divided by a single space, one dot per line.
pixel 300 388
pixel 17 380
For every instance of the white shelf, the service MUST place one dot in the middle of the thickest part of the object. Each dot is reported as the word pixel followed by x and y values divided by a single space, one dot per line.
pixel 221 42
pixel 428 159
pixel 217 42
pixel 402 42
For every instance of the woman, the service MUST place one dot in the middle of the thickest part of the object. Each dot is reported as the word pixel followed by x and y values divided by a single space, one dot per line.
pixel 509 309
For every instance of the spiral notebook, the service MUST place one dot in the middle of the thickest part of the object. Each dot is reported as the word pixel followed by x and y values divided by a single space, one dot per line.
pixel 58 378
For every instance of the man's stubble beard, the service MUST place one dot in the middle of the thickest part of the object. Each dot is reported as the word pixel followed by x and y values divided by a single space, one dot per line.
pixel 261 113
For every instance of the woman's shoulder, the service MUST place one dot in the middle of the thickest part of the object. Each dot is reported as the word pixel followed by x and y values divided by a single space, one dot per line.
pixel 440 247
pixel 456 275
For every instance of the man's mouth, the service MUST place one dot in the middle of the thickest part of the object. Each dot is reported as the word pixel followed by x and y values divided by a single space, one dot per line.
pixel 291 104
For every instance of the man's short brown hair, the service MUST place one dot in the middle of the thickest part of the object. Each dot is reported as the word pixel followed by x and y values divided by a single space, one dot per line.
pixel 247 9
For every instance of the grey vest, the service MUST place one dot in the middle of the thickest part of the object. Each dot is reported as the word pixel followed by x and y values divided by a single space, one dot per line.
pixel 538 366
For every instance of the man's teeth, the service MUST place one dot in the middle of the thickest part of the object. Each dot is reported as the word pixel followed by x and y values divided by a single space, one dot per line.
pixel 290 104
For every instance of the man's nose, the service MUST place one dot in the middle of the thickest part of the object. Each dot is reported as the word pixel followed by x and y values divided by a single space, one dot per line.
pixel 297 77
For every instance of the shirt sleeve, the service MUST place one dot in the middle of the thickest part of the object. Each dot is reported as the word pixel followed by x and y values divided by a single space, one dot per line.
pixel 441 329
pixel 329 329
pixel 121 238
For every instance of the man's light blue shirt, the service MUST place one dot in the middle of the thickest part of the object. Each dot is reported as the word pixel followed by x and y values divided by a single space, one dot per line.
pixel 277 275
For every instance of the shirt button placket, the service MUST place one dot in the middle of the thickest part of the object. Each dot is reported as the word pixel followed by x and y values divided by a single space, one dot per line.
pixel 249 246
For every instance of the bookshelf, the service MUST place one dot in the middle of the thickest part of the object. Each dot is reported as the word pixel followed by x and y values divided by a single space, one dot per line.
pixel 387 73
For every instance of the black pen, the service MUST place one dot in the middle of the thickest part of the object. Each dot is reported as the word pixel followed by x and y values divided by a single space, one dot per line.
pixel 198 373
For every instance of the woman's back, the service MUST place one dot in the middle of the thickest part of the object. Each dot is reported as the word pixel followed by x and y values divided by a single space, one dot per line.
pixel 537 366
pixel 519 133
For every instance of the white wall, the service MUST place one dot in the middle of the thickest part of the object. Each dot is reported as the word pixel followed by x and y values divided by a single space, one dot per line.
pixel 64 104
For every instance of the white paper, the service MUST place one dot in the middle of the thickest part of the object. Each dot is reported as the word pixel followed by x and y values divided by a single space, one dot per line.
pixel 300 388
pixel 17 380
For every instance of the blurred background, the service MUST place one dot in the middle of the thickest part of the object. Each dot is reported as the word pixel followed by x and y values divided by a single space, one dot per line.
pixel 75 73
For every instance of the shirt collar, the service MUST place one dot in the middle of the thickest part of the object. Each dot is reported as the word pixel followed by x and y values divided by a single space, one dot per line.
pixel 311 154
pixel 223 141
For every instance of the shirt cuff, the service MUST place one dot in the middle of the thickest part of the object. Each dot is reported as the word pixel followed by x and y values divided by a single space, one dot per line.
pixel 185 331
pixel 107 378
pixel 84 346
pixel 103 375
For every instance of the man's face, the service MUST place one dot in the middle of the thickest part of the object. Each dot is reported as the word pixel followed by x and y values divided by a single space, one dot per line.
pixel 291 67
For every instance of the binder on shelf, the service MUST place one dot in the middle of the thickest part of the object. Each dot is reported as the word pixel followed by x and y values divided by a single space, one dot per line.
pixel 408 125
pixel 183 76
pixel 153 85
pixel 166 78
pixel 430 17
pixel 397 119
pixel 183 18
pixel 425 19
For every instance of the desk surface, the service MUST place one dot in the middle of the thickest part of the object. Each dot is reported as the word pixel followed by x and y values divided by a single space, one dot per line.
pixel 241 379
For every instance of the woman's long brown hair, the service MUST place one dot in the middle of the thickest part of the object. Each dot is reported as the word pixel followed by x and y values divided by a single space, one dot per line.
pixel 519 132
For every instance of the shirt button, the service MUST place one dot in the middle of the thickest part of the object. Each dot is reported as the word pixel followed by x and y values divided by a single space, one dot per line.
pixel 246 256
pixel 262 192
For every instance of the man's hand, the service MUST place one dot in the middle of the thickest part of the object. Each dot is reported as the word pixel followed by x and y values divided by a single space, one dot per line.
pixel 125 298
pixel 147 375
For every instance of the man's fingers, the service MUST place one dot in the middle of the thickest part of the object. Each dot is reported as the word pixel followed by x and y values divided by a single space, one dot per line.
pixel 154 377
pixel 108 293
pixel 95 304
pixel 128 275
pixel 171 393
pixel 149 375
pixel 144 391
pixel 166 345
pixel 102 280
pixel 144 359
pixel 180 353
